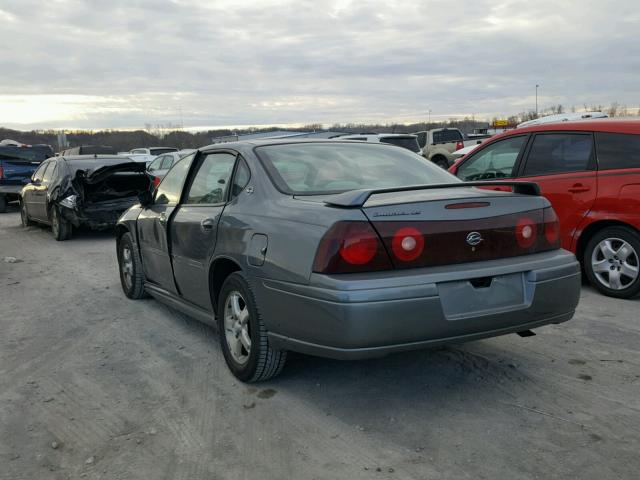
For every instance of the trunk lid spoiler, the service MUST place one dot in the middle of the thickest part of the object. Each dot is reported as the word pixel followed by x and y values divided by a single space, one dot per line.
pixel 357 198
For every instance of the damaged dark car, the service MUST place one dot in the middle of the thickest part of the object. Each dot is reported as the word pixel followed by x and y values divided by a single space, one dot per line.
pixel 82 190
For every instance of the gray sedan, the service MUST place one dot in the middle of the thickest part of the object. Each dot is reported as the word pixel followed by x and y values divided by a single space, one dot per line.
pixel 343 250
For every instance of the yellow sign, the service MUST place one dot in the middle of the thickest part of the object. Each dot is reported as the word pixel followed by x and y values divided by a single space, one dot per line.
pixel 500 123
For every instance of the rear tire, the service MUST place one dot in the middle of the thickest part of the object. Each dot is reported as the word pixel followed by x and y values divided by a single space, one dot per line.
pixel 130 266
pixel 24 215
pixel 3 203
pixel 441 162
pixel 240 325
pixel 612 262
pixel 60 227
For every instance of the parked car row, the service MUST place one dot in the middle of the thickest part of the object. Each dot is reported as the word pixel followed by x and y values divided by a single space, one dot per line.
pixel 354 248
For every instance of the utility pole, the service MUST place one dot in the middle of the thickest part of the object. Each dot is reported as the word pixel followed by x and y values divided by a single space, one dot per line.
pixel 537 86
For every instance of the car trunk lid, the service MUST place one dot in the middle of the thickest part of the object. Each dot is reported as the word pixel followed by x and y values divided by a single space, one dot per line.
pixel 455 225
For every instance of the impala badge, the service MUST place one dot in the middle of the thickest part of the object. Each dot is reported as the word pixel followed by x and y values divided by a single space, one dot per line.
pixel 474 238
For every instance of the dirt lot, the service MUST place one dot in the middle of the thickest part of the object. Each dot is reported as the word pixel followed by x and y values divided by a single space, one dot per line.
pixel 93 385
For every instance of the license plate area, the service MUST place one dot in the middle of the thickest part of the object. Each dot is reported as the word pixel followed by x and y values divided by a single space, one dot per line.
pixel 483 296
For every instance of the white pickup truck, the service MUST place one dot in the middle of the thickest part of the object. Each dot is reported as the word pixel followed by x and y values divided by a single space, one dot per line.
pixel 439 144
pixel 146 155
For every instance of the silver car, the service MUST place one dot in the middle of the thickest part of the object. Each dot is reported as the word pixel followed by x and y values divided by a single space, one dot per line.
pixel 342 249
pixel 158 168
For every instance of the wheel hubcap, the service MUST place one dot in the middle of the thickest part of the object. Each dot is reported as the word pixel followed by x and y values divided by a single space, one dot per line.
pixel 236 327
pixel 127 266
pixel 615 263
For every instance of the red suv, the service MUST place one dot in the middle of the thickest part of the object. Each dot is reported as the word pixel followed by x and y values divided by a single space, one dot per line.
pixel 590 172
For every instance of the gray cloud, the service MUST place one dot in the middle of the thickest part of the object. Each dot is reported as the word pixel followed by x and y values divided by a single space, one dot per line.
pixel 96 64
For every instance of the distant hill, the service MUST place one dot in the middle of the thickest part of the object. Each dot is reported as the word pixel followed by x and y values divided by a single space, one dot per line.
pixel 124 140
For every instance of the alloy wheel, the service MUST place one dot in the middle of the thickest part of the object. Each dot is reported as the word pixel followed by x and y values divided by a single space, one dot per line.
pixel 236 327
pixel 615 263
pixel 127 266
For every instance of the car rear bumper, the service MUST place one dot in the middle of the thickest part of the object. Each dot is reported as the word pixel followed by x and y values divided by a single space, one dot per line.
pixel 367 315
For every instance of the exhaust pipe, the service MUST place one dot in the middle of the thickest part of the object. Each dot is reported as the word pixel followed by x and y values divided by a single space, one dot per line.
pixel 526 333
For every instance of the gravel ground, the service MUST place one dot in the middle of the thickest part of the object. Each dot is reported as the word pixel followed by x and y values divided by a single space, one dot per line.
pixel 93 385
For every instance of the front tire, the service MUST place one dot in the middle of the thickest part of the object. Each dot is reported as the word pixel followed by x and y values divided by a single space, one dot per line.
pixel 60 227
pixel 243 336
pixel 130 265
pixel 612 262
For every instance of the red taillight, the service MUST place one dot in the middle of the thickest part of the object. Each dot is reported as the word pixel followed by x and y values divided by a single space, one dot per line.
pixel 526 232
pixel 459 145
pixel 156 181
pixel 350 247
pixel 407 244
pixel 1 172
pixel 551 227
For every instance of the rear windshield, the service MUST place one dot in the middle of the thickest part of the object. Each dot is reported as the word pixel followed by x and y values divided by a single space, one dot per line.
pixel 410 143
pixel 26 154
pixel 316 168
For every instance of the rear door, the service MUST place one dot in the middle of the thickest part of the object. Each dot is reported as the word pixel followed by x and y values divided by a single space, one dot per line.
pixel 153 226
pixel 619 176
pixel 563 165
pixel 194 228
pixel 30 194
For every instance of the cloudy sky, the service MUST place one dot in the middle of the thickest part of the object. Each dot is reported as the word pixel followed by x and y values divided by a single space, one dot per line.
pixel 127 63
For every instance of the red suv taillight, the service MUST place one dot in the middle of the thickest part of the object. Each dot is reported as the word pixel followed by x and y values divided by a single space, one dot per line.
pixel 350 247
pixel 459 145
pixel 1 172
pixel 156 181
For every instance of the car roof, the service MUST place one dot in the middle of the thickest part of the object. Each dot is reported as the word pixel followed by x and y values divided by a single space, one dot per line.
pixel 250 144
pixel 610 125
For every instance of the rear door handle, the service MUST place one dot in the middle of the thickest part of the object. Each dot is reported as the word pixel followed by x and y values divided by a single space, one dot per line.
pixel 579 188
pixel 207 224
pixel 163 220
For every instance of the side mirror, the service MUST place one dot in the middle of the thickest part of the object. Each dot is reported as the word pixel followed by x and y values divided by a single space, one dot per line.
pixel 145 198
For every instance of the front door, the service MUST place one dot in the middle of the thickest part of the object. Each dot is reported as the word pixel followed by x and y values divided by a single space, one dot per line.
pixel 38 201
pixel 195 225
pixel 563 165
pixel 154 224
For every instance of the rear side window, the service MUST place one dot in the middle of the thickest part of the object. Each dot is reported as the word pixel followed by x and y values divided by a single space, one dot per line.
pixel 410 143
pixel 446 136
pixel 617 150
pixel 559 153
pixel 212 179
pixel 422 139
pixel 494 161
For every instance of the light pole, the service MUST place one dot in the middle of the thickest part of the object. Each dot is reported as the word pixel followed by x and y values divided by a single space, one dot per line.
pixel 429 112
pixel 537 99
